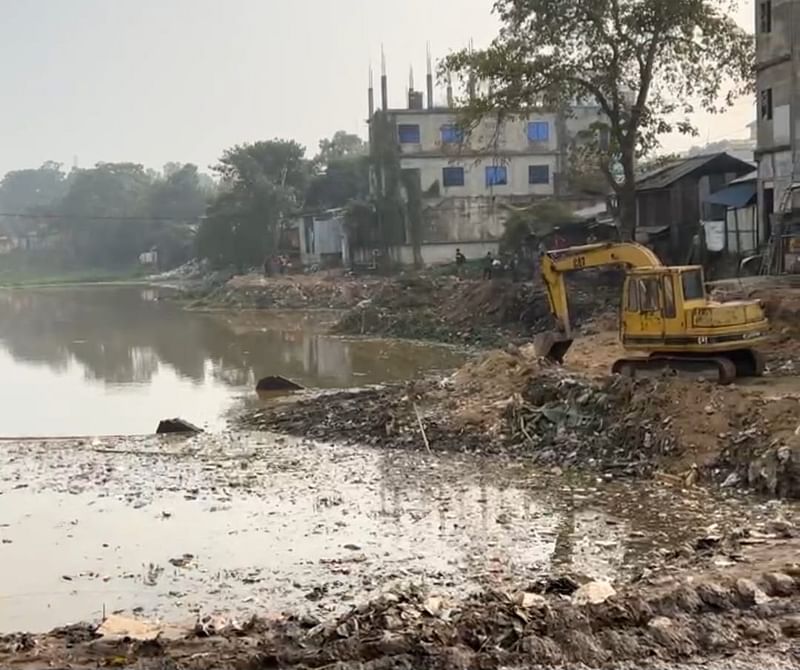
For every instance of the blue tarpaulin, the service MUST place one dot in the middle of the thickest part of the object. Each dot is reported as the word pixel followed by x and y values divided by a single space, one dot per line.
pixel 735 196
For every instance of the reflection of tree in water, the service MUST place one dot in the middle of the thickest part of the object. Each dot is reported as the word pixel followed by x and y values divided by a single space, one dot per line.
pixel 119 337
pixel 116 336
pixel 123 335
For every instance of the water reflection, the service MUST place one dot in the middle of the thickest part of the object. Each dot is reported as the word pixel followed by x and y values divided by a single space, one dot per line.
pixel 125 340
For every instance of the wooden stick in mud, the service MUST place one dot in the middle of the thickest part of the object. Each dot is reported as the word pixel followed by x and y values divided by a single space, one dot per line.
pixel 421 428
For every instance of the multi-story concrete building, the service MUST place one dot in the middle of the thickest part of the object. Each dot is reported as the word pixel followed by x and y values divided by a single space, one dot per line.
pixel 777 64
pixel 470 185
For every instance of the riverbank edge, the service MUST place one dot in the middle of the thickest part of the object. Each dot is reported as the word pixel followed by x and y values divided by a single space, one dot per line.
pixel 425 307
pixel 702 613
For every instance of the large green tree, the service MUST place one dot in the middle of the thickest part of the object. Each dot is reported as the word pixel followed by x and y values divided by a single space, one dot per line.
pixel 341 172
pixel 261 186
pixel 646 63
pixel 30 192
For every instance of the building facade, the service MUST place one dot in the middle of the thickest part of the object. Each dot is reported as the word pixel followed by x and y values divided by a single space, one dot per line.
pixel 471 184
pixel 518 159
pixel 777 63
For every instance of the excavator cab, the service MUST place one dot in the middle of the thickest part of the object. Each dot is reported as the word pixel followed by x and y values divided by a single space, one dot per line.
pixel 654 303
pixel 666 313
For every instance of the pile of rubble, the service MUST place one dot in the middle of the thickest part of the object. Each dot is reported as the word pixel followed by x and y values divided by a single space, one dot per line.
pixel 255 291
pixel 613 423
pixel 486 313
pixel 510 402
pixel 385 417
pixel 593 625
pixel 691 429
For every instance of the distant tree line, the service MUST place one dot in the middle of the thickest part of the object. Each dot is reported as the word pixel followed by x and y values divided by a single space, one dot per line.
pixel 105 216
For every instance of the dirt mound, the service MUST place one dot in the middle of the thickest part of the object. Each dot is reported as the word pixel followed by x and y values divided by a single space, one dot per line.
pixel 463 412
pixel 689 428
pixel 384 418
pixel 479 393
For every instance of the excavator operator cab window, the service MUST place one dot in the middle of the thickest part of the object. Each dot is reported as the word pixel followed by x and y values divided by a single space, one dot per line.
pixel 633 296
pixel 669 298
pixel 693 286
pixel 648 290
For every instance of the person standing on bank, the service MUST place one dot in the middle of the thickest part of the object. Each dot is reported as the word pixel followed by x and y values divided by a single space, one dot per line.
pixel 488 264
pixel 461 260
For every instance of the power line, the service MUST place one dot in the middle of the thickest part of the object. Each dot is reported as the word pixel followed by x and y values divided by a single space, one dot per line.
pixel 100 218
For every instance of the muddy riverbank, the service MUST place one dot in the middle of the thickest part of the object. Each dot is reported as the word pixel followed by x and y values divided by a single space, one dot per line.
pixel 244 524
pixel 250 547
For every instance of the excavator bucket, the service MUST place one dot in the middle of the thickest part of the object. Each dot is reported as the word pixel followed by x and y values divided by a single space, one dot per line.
pixel 552 346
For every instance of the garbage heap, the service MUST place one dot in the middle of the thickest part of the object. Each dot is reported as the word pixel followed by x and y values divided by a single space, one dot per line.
pixel 614 423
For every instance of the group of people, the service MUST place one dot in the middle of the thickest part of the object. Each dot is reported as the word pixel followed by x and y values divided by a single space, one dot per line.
pixel 491 265
pixel 511 263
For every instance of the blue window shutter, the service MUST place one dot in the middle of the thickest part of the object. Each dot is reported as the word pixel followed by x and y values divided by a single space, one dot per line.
pixel 452 134
pixel 538 174
pixel 408 133
pixel 453 176
pixel 496 175
pixel 539 131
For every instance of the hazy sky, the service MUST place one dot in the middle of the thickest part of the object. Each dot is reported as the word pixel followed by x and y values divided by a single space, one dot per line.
pixel 152 81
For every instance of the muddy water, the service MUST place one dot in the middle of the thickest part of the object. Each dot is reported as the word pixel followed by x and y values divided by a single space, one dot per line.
pixel 116 360
pixel 239 524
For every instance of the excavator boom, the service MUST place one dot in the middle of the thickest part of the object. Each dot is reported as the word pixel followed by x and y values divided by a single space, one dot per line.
pixel 554 267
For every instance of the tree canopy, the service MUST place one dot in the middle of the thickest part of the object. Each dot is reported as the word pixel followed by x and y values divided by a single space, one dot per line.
pixel 29 191
pixel 646 63
pixel 106 215
pixel 341 145
pixel 261 186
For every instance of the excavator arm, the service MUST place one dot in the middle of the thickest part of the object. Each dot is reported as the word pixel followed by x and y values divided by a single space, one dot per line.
pixel 554 267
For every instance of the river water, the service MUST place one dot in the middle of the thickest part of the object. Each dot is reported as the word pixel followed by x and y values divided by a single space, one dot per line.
pixel 116 360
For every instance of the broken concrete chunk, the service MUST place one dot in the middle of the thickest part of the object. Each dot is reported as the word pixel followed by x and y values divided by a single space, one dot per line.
pixel 168 426
pixel 661 623
pixel 529 600
pixel 116 627
pixel 433 605
pixel 749 592
pixel 779 585
pixel 593 593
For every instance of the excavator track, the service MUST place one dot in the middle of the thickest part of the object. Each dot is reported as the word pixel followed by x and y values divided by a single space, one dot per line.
pixel 718 368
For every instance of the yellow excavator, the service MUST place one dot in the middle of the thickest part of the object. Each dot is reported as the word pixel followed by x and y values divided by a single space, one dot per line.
pixel 666 319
